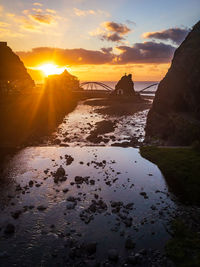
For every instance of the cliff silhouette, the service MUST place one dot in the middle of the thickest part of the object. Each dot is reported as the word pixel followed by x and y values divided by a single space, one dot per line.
pixel 26 118
pixel 175 114
pixel 13 71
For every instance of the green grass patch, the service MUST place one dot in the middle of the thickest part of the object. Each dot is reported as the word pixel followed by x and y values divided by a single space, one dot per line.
pixel 181 168
pixel 184 247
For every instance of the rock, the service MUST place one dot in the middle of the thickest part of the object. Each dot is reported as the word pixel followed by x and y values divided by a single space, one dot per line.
pixel 16 214
pixel 10 229
pixel 60 172
pixel 69 159
pixel 41 208
pixel 153 207
pixel 79 179
pixel 143 251
pixel 113 255
pixel 71 199
pixel 57 141
pixel 91 248
pixel 132 259
pixel 125 86
pixel 144 194
pixel 65 190
pixel 175 113
pixel 30 183
pixel 13 69
pixel 71 206
pixel 129 244
pixel 3 255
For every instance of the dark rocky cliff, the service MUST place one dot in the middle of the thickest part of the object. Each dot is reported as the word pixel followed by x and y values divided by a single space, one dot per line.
pixel 175 114
pixel 12 68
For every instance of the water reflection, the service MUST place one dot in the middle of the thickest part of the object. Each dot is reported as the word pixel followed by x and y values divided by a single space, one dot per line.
pixel 77 126
pixel 46 224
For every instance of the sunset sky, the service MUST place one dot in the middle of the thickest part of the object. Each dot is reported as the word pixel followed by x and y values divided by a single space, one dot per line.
pixel 97 39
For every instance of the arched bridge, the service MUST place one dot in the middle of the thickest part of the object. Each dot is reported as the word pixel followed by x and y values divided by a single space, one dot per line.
pixel 99 86
pixel 95 86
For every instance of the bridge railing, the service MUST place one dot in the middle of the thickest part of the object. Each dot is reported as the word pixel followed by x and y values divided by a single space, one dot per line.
pixel 94 86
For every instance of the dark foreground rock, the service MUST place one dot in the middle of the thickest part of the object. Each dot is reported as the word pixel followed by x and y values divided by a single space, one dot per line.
pixel 174 116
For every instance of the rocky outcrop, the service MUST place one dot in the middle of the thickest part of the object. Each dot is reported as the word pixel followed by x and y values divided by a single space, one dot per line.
pixel 13 74
pixel 175 113
pixel 125 86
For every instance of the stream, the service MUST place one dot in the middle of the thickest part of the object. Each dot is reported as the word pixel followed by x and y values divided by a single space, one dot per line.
pixel 69 202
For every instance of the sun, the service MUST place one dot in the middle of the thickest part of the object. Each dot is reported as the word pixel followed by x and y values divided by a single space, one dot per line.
pixel 50 69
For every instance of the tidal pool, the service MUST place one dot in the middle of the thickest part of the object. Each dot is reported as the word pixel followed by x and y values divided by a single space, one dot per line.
pixel 48 224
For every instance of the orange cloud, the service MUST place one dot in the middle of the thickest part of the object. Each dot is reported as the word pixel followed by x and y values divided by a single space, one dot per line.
pixel 148 52
pixel 116 27
pixel 33 19
pixel 42 18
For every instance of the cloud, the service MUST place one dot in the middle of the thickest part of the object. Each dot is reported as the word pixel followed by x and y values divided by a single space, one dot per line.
pixel 107 50
pixel 116 27
pixel 65 57
pixel 111 31
pixel 4 24
pixel 176 35
pixel 147 52
pixel 131 22
pixel 42 18
pixel 37 4
pixel 35 19
pixel 113 37
pixel 51 11
pixel 83 13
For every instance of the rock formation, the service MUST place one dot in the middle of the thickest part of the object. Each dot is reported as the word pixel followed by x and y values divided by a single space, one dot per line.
pixel 175 114
pixel 13 74
pixel 125 86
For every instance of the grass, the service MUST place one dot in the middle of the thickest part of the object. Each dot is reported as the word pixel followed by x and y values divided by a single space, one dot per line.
pixel 184 247
pixel 181 168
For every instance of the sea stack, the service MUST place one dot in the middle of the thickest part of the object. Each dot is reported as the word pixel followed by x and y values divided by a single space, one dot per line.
pixel 175 113
pixel 13 74
pixel 125 86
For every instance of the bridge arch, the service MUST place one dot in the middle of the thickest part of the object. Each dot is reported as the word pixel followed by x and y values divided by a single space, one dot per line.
pixel 99 86
pixel 94 86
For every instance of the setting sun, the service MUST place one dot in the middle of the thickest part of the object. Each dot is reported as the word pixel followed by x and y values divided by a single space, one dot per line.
pixel 50 68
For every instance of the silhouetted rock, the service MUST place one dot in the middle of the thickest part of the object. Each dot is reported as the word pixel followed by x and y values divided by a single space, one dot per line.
pixel 175 114
pixel 125 86
pixel 13 74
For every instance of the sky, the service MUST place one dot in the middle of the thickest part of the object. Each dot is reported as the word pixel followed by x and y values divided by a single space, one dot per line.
pixel 98 39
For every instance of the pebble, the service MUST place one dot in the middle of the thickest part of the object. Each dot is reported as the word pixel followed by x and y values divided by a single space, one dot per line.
pixel 113 255
pixel 10 229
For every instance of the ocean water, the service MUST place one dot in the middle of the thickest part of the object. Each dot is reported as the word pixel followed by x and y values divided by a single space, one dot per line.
pixel 137 85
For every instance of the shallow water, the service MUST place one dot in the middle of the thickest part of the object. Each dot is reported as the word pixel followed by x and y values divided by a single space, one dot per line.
pixel 77 125
pixel 43 237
